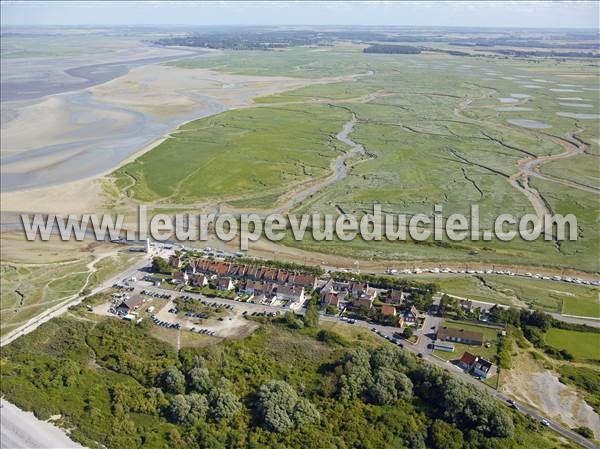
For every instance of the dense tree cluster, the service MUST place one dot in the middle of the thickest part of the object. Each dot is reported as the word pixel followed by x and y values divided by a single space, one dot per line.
pixel 223 402
pixel 311 317
pixel 280 387
pixel 280 408
pixel 188 409
pixel 172 381
pixel 378 377
pixel 160 265
pixel 199 380
pixel 203 396
pixel 460 404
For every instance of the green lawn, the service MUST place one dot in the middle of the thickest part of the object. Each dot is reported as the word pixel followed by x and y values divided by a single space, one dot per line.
pixel 583 345
pixel 490 335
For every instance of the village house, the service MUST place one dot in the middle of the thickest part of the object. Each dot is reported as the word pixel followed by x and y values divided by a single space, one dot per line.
pixel 332 298
pixel 198 280
pixel 253 273
pixel 362 294
pixel 258 288
pixel 180 277
pixel 290 293
pixel 237 271
pixel 409 317
pixel 484 368
pixel 467 360
pixel 308 281
pixel 129 305
pixel 250 287
pixel 460 336
pixel 326 288
pixel 477 366
pixel 397 297
pixel 341 286
pixel 466 305
pixel 174 261
pixel 363 302
pixel 224 284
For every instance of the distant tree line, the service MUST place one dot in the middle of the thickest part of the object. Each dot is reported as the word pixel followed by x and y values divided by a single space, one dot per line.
pixel 393 49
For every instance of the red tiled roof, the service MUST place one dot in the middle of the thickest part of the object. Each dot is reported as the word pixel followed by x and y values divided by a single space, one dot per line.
pixel 305 280
pixel 386 309
pixel 468 358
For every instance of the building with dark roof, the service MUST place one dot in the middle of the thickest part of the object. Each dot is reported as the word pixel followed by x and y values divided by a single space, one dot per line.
pixel 460 336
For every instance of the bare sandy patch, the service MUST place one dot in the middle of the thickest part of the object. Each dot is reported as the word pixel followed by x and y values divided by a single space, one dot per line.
pixel 75 197
pixel 531 384
pixel 16 249
pixel 166 90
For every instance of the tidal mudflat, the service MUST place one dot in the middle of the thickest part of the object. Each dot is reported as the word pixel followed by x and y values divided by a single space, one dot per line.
pixel 579 116
pixel 512 109
pixel 35 78
pixel 564 90
pixel 508 100
pixel 576 105
pixel 527 123
pixel 73 136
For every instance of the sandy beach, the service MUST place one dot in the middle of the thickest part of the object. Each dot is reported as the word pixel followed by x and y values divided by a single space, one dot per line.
pixel 23 430
pixel 79 135
pixel 55 150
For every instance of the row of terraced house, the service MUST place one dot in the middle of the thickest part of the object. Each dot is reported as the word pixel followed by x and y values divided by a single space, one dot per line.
pixel 275 286
pixel 261 284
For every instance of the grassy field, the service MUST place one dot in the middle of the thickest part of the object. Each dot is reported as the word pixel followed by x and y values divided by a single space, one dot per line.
pixel 432 132
pixel 490 335
pixel 546 295
pixel 29 289
pixel 583 345
pixel 113 265
pixel 255 154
